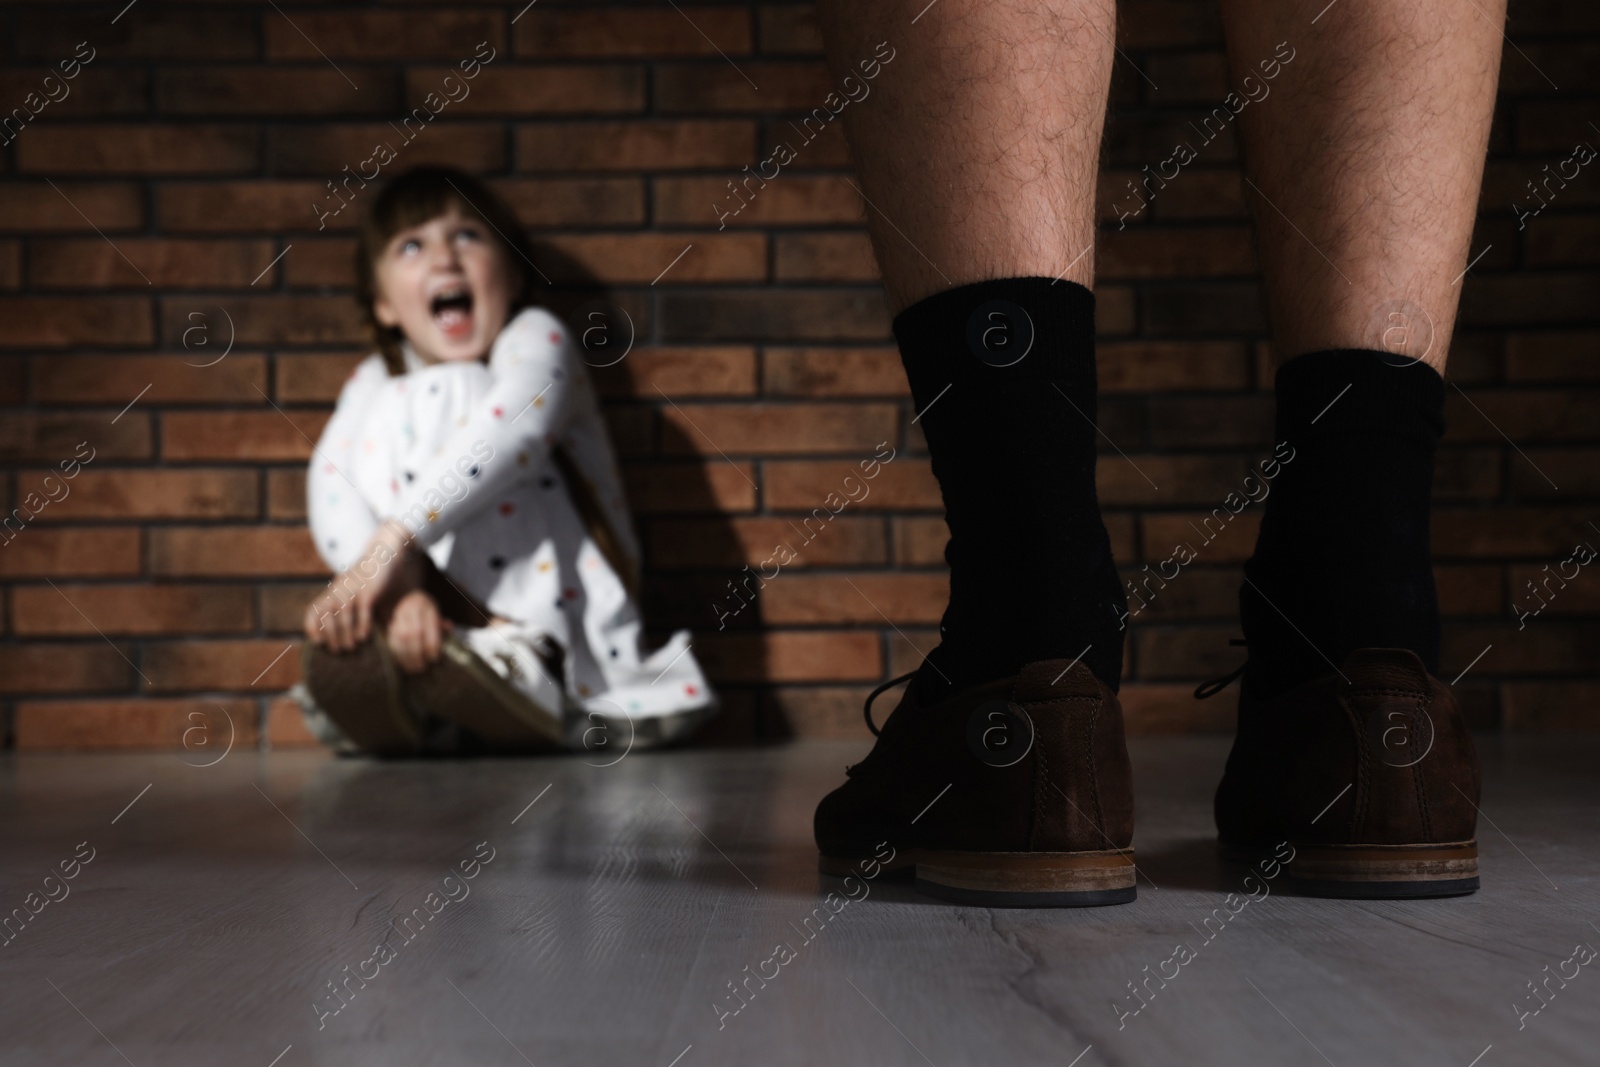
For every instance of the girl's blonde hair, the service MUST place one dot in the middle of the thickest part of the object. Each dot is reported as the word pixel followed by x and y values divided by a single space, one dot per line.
pixel 411 199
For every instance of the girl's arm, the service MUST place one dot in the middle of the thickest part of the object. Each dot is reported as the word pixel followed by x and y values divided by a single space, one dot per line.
pixel 506 436
pixel 341 522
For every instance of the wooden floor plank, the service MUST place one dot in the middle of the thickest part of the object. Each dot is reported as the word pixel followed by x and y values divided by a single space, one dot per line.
pixel 622 901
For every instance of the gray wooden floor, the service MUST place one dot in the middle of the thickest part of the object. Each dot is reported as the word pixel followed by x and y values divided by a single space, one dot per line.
pixel 617 908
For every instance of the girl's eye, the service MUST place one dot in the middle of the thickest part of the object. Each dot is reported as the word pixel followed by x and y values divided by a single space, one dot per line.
pixel 468 234
pixel 409 246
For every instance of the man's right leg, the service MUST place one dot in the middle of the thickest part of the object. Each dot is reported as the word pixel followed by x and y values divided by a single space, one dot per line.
pixel 1003 776
pixel 978 149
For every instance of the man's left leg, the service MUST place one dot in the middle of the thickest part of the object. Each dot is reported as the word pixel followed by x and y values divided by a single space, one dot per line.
pixel 1365 161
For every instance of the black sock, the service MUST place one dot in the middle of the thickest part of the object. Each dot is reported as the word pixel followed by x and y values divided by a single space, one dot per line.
pixel 1031 575
pixel 1343 560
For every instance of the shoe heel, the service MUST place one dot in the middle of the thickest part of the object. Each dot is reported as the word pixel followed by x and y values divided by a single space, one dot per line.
pixel 1029 879
pixel 1379 872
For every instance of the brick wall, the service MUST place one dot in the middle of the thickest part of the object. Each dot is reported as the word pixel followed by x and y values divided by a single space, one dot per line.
pixel 164 207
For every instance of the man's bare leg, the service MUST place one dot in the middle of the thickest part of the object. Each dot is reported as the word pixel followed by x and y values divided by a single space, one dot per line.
pixel 978 147
pixel 1367 159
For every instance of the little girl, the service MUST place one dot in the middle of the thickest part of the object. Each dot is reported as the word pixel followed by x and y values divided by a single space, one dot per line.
pixel 486 560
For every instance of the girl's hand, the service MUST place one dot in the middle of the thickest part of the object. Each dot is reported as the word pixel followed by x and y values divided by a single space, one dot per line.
pixel 328 622
pixel 388 568
pixel 387 556
pixel 415 631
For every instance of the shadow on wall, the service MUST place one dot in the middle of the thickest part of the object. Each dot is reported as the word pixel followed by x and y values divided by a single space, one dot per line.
pixel 666 476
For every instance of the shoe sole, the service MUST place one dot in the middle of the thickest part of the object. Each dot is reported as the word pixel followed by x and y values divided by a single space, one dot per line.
pixel 1013 879
pixel 461 687
pixel 1376 872
pixel 360 692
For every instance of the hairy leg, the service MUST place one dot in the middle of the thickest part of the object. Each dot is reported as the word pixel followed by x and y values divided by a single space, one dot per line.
pixel 1366 159
pixel 978 145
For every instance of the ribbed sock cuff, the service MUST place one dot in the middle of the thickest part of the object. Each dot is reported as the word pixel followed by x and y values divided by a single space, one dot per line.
pixel 1001 330
pixel 1348 392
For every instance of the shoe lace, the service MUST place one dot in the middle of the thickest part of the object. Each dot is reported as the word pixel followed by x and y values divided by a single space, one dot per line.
pixel 866 709
pixel 1206 690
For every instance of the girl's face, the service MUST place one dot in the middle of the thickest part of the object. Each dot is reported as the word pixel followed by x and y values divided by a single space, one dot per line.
pixel 447 284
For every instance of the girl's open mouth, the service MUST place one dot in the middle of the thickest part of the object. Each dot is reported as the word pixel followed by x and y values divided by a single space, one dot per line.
pixel 452 312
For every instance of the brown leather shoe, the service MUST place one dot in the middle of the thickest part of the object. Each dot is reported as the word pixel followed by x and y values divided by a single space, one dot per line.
pixel 1371 776
pixel 1014 793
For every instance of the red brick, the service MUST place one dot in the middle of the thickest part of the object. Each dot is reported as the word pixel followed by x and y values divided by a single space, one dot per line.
pixel 413 33
pixel 286 494
pixel 1523 415
pixel 168 148
pixel 71 207
pixel 813 148
pixel 800 485
pixel 789 29
pixel 771 429
pixel 821 713
pixel 64 438
pixel 652 258
pixel 1202 252
pixel 267 320
pixel 77 551
pixel 283 605
pixel 286 726
pixel 789 200
pixel 95 91
pixel 1172 709
pixel 1572 471
pixel 919 541
pixel 175 666
pixel 791 656
pixel 1468 589
pixel 1139 366
pixel 90 262
pixel 731 543
pixel 680 372
pixel 864 598
pixel 240 435
pixel 585 202
pixel 134 493
pixel 174 378
pixel 517 91
pixel 314 263
pixel 305 90
pixel 1563 356
pixel 1549 646
pixel 232 551
pixel 130 608
pixel 835 372
pixel 1167 24
pixel 1508 531
pixel 774 315
pixel 825 257
pixel 324 150
pixel 314 377
pixel 754 87
pixel 200 729
pixel 1535 706
pixel 677 488
pixel 10 264
pixel 180 33
pixel 640 145
pixel 80 667
pixel 652 32
pixel 267 207
pixel 1163 533
pixel 53 321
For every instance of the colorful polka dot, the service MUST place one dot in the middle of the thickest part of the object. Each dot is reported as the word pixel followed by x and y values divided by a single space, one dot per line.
pixel 544 566
pixel 499 412
pixel 507 507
